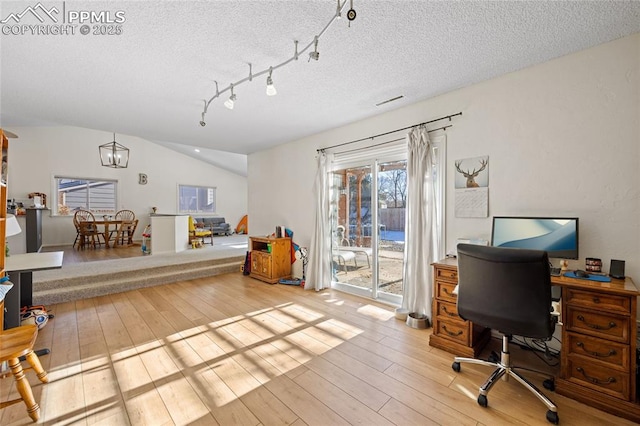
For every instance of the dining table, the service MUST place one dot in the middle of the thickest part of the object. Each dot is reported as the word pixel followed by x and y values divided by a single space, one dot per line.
pixel 107 229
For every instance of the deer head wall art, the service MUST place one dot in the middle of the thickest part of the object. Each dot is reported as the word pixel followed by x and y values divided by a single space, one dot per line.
pixel 463 167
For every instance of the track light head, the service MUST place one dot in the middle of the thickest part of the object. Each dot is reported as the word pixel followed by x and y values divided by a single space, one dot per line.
pixel 271 89
pixel 202 122
pixel 315 55
pixel 229 103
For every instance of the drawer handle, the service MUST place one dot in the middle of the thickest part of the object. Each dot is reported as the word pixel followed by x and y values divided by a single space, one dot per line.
pixel 451 314
pixel 594 380
pixel 596 326
pixel 446 291
pixel 596 354
pixel 596 300
pixel 444 327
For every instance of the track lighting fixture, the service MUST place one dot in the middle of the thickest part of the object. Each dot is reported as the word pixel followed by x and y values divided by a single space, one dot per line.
pixel 229 103
pixel 315 55
pixel 271 89
pixel 202 122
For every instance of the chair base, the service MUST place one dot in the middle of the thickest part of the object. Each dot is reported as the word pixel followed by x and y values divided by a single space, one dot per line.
pixel 504 369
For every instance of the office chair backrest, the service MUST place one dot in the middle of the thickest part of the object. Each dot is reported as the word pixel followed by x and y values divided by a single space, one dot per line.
pixel 505 289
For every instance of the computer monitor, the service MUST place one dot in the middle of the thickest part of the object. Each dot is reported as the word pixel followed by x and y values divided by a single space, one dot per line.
pixel 558 236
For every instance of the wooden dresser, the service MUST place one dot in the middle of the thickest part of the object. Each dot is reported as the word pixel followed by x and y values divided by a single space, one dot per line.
pixel 599 332
pixel 450 332
pixel 598 357
pixel 270 258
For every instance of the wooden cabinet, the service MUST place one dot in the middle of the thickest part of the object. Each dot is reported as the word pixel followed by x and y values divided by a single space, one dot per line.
pixel 270 258
pixel 450 332
pixel 598 365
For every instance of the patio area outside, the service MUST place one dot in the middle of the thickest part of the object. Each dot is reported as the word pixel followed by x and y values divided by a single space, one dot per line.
pixel 390 260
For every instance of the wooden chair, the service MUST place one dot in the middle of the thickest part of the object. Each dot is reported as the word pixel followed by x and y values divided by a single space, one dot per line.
pixel 124 233
pixel 15 343
pixel 77 225
pixel 130 224
pixel 199 231
pixel 86 228
pixel 125 215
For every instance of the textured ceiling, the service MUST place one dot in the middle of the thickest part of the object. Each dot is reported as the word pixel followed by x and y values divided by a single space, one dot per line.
pixel 150 81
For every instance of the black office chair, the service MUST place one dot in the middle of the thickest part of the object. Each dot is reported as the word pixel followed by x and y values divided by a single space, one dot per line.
pixel 508 290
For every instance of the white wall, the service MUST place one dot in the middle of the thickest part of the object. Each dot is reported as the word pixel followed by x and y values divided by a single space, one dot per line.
pixel 562 139
pixel 42 152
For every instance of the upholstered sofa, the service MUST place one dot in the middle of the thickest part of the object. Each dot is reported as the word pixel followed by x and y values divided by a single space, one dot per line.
pixel 217 225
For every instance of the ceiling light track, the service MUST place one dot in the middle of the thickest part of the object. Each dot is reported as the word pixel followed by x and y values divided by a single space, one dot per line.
pixel 390 100
pixel 315 55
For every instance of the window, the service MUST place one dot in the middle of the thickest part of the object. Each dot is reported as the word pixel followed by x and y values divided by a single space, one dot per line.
pixel 196 199
pixel 97 196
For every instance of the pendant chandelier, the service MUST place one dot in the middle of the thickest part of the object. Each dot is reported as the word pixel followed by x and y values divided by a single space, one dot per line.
pixel 114 155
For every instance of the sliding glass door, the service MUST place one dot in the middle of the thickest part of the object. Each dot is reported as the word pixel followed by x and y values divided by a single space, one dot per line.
pixel 392 203
pixel 368 200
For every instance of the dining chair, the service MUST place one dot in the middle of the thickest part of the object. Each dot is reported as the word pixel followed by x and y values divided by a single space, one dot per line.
pixel 129 217
pixel 15 343
pixel 125 215
pixel 124 233
pixel 78 237
pixel 86 228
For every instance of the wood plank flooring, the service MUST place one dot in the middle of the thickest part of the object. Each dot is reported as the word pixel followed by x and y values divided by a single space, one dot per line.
pixel 72 255
pixel 231 350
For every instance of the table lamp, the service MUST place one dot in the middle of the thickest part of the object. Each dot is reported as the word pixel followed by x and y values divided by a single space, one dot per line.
pixel 12 227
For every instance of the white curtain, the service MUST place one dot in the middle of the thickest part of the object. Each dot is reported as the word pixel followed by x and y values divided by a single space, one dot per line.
pixel 319 275
pixel 421 227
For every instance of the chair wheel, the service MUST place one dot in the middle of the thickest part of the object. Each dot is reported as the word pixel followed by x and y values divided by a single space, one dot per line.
pixel 482 401
pixel 552 417
pixel 549 384
pixel 456 367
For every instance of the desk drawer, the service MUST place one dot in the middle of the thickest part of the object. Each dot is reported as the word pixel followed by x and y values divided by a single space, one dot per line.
pixel 453 330
pixel 615 355
pixel 598 324
pixel 606 380
pixel 600 301
pixel 446 274
pixel 444 291
pixel 447 311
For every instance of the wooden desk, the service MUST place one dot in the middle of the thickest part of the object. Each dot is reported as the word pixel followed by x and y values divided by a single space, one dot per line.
pixel 598 356
pixel 20 267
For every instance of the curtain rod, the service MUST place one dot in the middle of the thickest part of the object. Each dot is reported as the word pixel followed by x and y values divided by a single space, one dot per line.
pixel 394 131
pixel 394 140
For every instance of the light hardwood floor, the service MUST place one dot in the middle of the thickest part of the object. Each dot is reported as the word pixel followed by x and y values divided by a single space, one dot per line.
pixel 232 350
pixel 72 255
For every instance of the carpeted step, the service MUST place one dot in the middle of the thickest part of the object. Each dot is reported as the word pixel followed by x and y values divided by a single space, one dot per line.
pixel 67 278
pixel 82 287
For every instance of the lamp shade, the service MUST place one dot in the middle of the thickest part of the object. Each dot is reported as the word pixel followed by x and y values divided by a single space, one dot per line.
pixel 12 226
